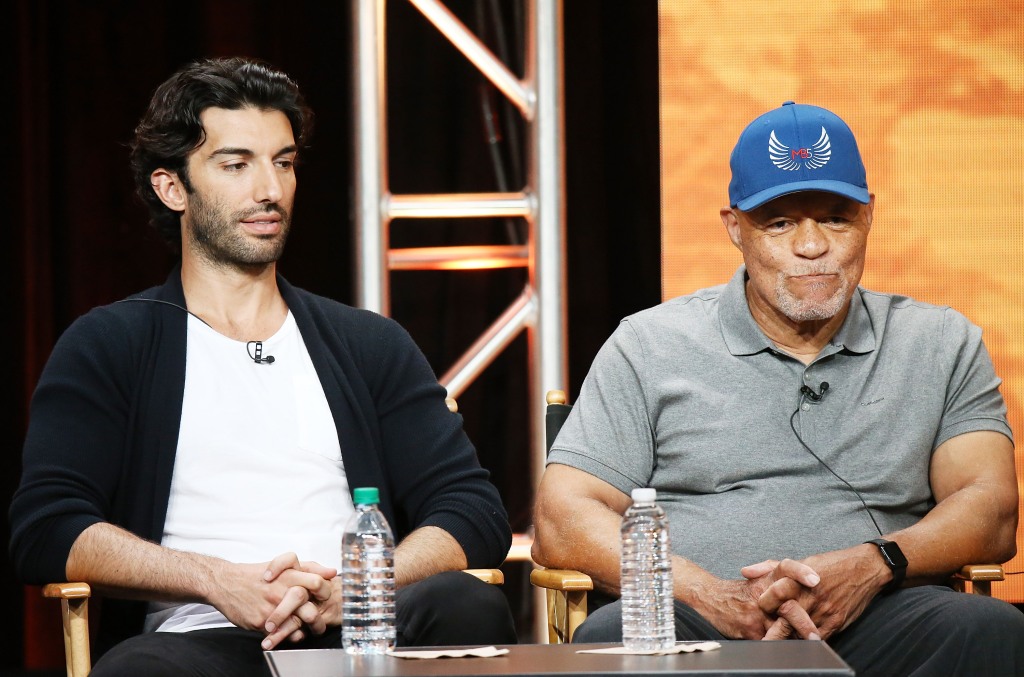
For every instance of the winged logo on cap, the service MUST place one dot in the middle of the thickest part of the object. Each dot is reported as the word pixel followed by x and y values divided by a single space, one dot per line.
pixel 815 157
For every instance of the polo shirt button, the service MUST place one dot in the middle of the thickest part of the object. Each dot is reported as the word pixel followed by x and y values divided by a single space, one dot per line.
pixel 805 406
pixel 807 377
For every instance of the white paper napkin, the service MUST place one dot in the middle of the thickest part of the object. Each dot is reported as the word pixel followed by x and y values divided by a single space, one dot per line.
pixel 680 647
pixel 479 652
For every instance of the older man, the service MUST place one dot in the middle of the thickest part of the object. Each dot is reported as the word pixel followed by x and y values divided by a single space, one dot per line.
pixel 825 453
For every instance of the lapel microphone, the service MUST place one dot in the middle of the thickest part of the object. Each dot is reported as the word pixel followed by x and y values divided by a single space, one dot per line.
pixel 813 396
pixel 257 354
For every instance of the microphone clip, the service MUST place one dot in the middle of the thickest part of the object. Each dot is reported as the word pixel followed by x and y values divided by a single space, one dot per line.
pixel 809 393
pixel 257 353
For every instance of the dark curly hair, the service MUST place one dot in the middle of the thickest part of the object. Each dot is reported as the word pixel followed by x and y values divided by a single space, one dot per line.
pixel 171 129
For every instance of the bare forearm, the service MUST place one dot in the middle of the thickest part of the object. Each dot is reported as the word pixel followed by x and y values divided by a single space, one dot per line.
pixel 587 540
pixel 577 522
pixel 974 520
pixel 973 526
pixel 118 563
pixel 425 552
pixel 693 585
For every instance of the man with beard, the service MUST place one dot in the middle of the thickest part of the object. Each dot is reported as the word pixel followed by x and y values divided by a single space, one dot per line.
pixel 825 454
pixel 191 449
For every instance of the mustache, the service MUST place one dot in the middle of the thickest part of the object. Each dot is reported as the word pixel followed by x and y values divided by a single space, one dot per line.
pixel 268 208
pixel 814 271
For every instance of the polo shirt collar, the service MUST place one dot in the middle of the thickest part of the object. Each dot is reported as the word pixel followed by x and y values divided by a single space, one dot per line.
pixel 856 335
pixel 740 331
pixel 743 336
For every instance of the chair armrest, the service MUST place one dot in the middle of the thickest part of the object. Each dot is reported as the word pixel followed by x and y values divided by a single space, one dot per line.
pixel 74 602
pixel 980 576
pixel 981 572
pixel 566 600
pixel 492 576
pixel 67 591
pixel 561 579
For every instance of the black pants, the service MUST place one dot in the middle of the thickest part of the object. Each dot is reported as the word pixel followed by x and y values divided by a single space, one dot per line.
pixel 925 631
pixel 446 609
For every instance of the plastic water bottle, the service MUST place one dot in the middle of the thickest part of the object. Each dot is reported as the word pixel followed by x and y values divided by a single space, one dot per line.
pixel 368 578
pixel 648 613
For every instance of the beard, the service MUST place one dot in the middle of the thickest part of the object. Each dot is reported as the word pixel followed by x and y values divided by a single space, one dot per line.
pixel 808 310
pixel 215 233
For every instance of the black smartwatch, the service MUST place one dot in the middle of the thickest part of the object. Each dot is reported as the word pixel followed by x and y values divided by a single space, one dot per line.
pixel 894 559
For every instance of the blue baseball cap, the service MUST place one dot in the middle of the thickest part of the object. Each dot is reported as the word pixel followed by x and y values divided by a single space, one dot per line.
pixel 794 148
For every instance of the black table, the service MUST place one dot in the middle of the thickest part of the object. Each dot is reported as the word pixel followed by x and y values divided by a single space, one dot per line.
pixel 749 658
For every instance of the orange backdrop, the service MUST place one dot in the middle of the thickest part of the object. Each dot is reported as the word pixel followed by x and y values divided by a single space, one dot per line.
pixel 933 90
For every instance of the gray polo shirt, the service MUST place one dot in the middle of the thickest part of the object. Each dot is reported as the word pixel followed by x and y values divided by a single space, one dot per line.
pixel 691 398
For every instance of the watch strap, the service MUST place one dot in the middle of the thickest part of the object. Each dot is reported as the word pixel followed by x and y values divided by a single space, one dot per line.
pixel 894 559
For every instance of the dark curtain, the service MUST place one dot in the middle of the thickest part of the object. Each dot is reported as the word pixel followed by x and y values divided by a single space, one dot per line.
pixel 80 74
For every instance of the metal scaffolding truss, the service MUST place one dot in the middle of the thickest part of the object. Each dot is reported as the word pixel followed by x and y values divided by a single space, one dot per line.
pixel 541 308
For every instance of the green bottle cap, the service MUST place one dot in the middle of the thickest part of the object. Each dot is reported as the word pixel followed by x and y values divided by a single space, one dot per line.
pixel 365 496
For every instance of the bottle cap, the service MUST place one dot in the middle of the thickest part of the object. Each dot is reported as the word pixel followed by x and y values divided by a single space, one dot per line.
pixel 644 495
pixel 365 496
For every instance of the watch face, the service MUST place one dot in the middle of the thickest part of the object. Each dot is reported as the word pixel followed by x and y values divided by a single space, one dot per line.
pixel 893 555
pixel 894 559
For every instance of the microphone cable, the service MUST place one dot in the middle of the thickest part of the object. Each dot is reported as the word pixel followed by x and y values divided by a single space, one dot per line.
pixel 808 392
pixel 257 358
pixel 167 303
pixel 800 439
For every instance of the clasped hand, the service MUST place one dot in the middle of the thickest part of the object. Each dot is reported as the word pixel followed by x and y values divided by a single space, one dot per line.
pixel 309 602
pixel 814 598
pixel 734 606
pixel 284 598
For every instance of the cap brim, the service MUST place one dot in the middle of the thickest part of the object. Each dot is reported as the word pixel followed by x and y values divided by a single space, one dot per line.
pixel 856 193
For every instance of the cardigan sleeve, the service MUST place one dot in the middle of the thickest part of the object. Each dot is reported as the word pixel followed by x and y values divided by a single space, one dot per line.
pixel 71 457
pixel 434 474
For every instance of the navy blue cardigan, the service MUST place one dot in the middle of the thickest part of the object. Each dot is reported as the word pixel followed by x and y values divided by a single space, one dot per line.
pixel 104 423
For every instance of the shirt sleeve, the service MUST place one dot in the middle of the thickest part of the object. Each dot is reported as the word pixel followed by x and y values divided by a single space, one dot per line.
pixel 609 433
pixel 973 401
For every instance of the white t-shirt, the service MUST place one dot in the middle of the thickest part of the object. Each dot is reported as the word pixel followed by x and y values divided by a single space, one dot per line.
pixel 258 470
